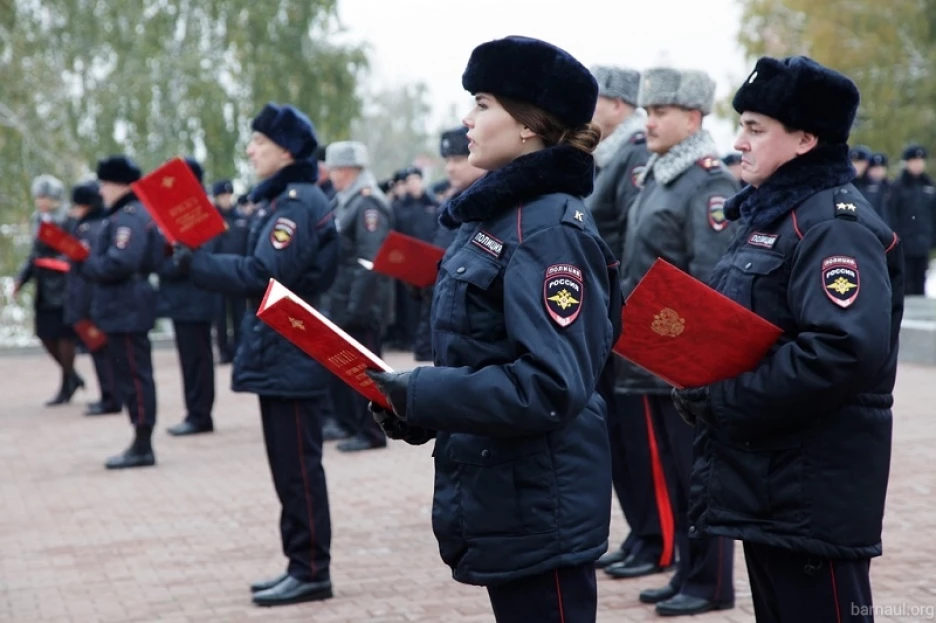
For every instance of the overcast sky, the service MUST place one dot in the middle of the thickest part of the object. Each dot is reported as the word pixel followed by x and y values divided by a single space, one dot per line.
pixel 431 40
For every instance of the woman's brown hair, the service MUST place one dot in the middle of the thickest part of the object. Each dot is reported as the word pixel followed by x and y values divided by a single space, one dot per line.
pixel 584 137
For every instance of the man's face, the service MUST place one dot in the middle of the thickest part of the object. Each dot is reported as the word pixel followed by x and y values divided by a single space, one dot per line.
pixel 111 192
pixel 225 201
pixel 343 177
pixel 916 166
pixel 45 205
pixel 414 185
pixel 860 166
pixel 461 174
pixel 668 126
pixel 766 145
pixel 265 156
pixel 878 173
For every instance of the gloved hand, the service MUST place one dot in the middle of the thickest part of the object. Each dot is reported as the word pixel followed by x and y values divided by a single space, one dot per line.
pixel 181 256
pixel 693 404
pixel 392 385
pixel 395 428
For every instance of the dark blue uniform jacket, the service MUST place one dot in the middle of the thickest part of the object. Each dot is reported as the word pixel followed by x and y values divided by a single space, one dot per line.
pixel 797 451
pixel 524 314
pixel 293 240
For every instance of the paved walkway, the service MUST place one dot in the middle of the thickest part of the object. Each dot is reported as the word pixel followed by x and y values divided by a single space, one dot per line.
pixel 181 542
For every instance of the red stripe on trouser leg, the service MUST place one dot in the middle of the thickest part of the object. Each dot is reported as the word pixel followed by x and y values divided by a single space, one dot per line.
pixel 664 508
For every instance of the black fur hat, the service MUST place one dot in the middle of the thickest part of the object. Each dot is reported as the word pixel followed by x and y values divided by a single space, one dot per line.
pixel 222 187
pixel 802 94
pixel 859 153
pixel 535 72
pixel 196 169
pixel 288 128
pixel 913 151
pixel 454 142
pixel 86 195
pixel 118 169
pixel 877 159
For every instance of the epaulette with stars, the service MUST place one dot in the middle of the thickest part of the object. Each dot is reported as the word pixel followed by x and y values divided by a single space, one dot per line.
pixel 709 164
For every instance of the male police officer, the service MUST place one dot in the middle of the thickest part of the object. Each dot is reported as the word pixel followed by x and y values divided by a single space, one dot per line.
pixel 620 159
pixel 361 300
pixel 877 188
pixel 860 156
pixel 292 240
pixel 912 210
pixel 793 456
pixel 123 302
pixel 230 309
pixel 678 216
pixel 191 309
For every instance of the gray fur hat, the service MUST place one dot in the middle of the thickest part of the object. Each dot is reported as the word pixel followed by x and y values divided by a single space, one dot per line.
pixel 617 82
pixel 346 154
pixel 665 86
pixel 48 186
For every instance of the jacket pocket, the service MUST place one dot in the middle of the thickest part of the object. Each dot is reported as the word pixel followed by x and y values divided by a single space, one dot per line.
pixel 754 280
pixel 469 300
pixel 506 486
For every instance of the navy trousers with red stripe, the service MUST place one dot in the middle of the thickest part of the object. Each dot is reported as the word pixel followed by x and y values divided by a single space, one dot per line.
pixel 566 595
pixel 131 355
pixel 196 359
pixel 292 433
pixel 107 381
pixel 791 587
pixel 706 564
pixel 632 472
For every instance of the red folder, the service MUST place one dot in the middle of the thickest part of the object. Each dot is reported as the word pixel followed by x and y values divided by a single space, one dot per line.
pixel 178 203
pixel 318 337
pixel 688 334
pixel 408 259
pixel 92 337
pixel 59 266
pixel 63 242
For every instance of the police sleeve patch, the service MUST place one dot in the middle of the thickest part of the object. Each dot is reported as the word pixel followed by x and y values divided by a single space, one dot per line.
pixel 371 219
pixel 716 213
pixel 636 174
pixel 122 237
pixel 282 233
pixel 563 293
pixel 840 279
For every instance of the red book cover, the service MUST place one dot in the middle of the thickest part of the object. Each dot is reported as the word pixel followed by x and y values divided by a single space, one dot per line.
pixel 319 338
pixel 408 259
pixel 178 203
pixel 92 337
pixel 688 334
pixel 63 242
pixel 60 266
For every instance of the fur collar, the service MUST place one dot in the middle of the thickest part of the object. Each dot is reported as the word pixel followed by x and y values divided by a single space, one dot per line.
pixel 365 179
pixel 680 158
pixel 560 169
pixel 826 166
pixel 610 146
pixel 299 172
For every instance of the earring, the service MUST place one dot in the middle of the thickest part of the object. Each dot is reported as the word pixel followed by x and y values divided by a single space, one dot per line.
pixel 523 139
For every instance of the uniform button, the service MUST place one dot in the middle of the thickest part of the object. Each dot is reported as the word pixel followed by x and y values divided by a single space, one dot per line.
pixel 460 270
pixel 692 531
pixel 748 265
pixel 553 414
pixel 485 454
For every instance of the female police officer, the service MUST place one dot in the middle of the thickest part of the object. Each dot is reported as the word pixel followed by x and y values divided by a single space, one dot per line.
pixel 524 315
pixel 792 457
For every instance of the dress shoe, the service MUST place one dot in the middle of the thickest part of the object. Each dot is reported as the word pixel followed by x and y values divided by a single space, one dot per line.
pixel 633 568
pixel 139 454
pixel 332 431
pixel 611 558
pixel 293 591
pixel 656 595
pixel 358 444
pixel 685 605
pixel 97 408
pixel 188 427
pixel 262 585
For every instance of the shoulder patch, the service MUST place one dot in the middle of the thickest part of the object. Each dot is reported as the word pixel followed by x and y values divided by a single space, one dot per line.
pixel 766 241
pixel 709 164
pixel 840 279
pixel 636 174
pixel 846 209
pixel 371 218
pixel 716 213
pixel 130 208
pixel 282 233
pixel 638 138
pixel 563 293
pixel 293 193
pixel 488 243
pixel 122 237
pixel 84 227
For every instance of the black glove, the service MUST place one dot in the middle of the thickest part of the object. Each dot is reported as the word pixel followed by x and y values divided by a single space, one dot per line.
pixel 693 404
pixel 393 386
pixel 181 256
pixel 395 428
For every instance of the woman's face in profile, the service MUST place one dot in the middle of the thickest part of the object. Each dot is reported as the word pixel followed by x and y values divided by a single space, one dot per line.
pixel 493 135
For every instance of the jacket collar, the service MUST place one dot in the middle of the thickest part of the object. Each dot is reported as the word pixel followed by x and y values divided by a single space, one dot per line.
pixel 299 172
pixel 826 166
pixel 559 169
pixel 123 201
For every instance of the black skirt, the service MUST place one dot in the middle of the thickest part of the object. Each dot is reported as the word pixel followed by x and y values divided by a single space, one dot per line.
pixel 50 325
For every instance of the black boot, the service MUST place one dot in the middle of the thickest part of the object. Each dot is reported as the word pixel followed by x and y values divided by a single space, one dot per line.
pixel 60 397
pixel 139 454
pixel 71 385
